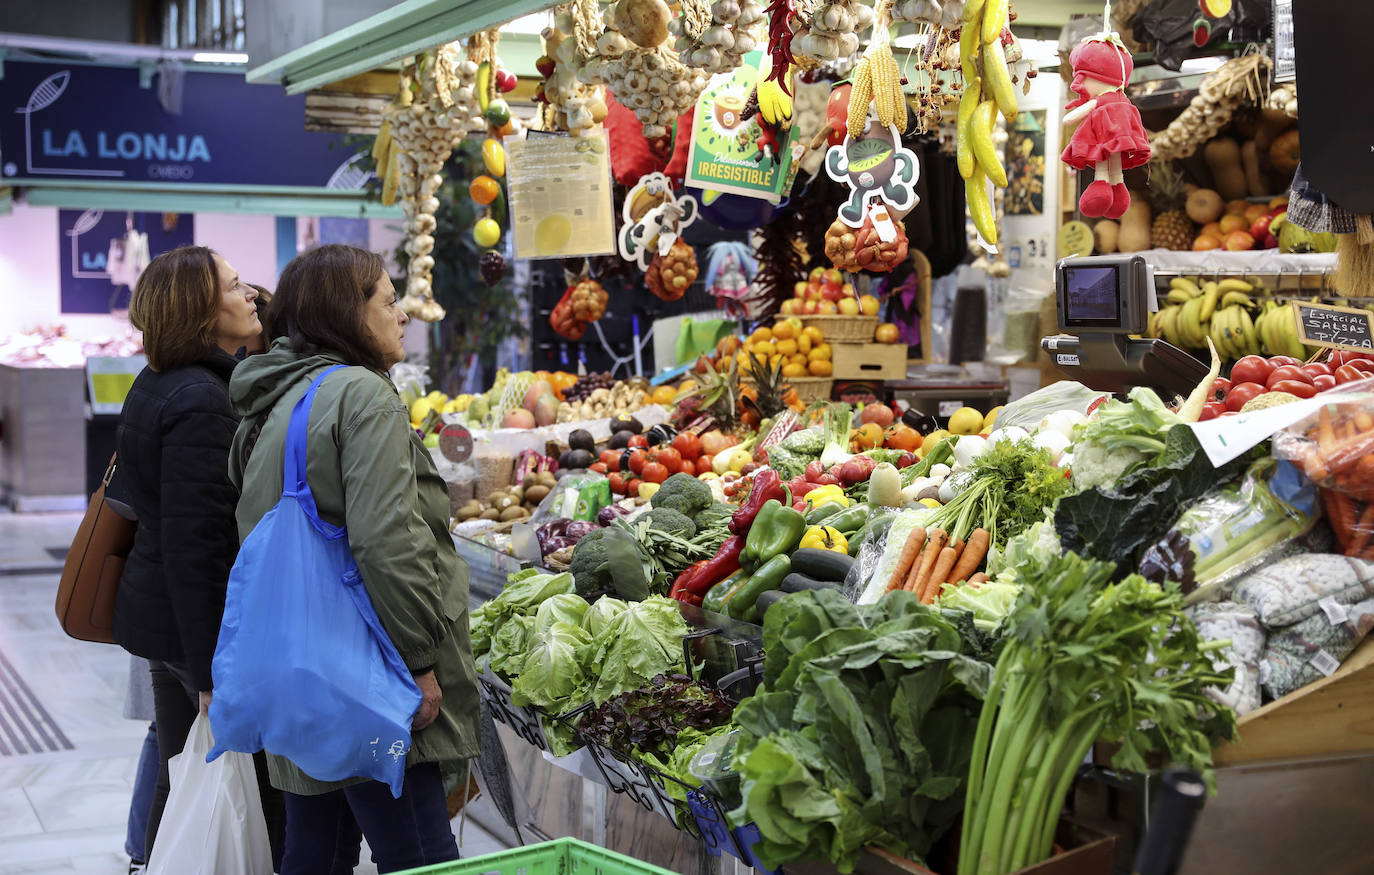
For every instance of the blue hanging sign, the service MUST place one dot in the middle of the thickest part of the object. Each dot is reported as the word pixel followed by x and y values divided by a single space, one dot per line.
pixel 90 241
pixel 97 124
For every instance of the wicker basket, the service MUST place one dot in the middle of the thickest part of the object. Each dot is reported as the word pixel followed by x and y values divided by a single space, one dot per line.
pixel 843 329
pixel 812 388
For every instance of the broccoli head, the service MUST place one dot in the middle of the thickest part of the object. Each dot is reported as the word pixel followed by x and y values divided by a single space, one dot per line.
pixel 666 519
pixel 683 493
pixel 588 566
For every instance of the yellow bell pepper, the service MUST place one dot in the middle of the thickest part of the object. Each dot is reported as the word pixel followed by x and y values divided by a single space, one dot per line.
pixel 831 494
pixel 824 538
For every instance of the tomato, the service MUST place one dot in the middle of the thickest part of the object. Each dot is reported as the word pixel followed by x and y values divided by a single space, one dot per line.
pixel 1287 372
pixel 1323 382
pixel 667 457
pixel 1279 361
pixel 1241 393
pixel 1220 386
pixel 654 472
pixel 617 482
pixel 1345 357
pixel 599 467
pixel 1315 368
pixel 638 459
pixel 1294 387
pixel 1251 369
pixel 704 464
pixel 1211 410
pixel 639 442
pixel 632 486
pixel 610 458
pixel 688 444
pixel 1349 373
pixel 689 467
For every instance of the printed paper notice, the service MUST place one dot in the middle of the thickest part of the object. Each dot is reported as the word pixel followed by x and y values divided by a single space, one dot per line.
pixel 560 196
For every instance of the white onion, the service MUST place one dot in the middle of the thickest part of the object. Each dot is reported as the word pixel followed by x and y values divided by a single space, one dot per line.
pixel 969 447
pixel 1053 441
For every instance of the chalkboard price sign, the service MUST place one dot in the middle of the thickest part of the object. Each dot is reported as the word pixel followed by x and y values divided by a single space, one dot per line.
pixel 1335 327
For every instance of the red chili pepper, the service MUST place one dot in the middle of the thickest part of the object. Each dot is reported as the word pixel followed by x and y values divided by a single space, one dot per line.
pixel 717 568
pixel 683 582
pixel 766 485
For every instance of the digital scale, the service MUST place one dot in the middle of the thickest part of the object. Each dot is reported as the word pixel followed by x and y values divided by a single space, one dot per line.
pixel 1104 304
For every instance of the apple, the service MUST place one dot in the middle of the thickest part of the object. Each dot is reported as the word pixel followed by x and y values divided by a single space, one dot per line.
pixel 1239 241
pixel 1270 241
pixel 814 293
pixel 827 308
pixel 832 293
pixel 1260 228
pixel 789 307
pixel 848 307
pixel 886 333
pixel 869 305
pixel 816 274
pixel 506 81
pixel 799 290
pixel 809 308
pixel 1233 222
pixel 834 277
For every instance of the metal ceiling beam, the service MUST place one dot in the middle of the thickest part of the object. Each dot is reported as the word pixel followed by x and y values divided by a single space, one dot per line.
pixel 405 29
pixel 148 197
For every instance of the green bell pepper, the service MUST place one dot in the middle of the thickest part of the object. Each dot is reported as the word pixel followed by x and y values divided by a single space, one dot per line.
pixel 769 576
pixel 776 529
pixel 717 596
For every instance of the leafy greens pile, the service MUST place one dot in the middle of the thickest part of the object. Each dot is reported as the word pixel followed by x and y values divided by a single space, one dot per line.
pixel 861 732
pixel 1006 491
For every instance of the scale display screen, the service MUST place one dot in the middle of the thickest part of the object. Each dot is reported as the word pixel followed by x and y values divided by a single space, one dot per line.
pixel 1092 296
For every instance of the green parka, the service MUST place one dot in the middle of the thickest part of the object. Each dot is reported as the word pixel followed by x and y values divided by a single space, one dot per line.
pixel 369 472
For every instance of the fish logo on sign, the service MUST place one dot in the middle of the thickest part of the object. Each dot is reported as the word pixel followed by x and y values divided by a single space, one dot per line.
pixel 43 96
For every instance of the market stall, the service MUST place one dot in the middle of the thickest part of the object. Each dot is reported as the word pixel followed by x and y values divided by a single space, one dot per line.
pixel 814 599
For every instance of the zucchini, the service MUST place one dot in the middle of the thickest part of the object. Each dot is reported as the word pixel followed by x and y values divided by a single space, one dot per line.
pixel 796 582
pixel 820 516
pixel 822 564
pixel 766 600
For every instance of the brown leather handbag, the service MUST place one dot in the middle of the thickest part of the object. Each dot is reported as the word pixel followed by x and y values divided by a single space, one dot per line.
pixel 90 577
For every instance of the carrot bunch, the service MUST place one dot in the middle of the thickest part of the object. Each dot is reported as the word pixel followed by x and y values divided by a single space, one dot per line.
pixel 930 560
pixel 1338 455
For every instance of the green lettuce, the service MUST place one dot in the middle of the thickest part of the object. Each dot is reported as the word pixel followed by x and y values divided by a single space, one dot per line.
pixel 508 646
pixel 566 607
pixel 554 670
pixel 642 641
pixel 601 613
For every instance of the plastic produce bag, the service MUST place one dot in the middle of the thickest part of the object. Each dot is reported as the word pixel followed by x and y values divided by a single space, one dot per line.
pixel 213 823
pixel 1308 651
pixel 1064 395
pixel 1239 624
pixel 1170 26
pixel 867 580
pixel 1334 447
pixel 1293 589
pixel 1233 530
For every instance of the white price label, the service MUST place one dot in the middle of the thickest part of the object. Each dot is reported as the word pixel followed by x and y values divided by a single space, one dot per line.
pixel 1068 359
pixel 1325 663
pixel 948 408
pixel 1334 610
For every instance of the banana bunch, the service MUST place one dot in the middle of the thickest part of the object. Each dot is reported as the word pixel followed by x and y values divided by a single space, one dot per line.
pixel 775 104
pixel 1227 312
pixel 988 89
pixel 1278 328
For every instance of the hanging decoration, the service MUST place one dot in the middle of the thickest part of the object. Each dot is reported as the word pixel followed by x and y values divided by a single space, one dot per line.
pixel 568 103
pixel 583 303
pixel 653 219
pixel 831 32
pixel 988 90
pixel 877 168
pixel 1221 93
pixel 716 37
pixel 730 268
pixel 1110 137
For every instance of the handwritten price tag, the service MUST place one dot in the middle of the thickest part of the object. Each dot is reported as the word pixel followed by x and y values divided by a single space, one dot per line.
pixel 1337 327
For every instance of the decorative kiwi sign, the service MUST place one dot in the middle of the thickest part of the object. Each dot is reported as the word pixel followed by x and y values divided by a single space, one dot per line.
pixel 876 167
pixel 99 124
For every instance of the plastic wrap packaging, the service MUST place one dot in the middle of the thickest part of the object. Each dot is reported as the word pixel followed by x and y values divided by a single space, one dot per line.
pixel 1239 624
pixel 877 559
pixel 1027 412
pixel 1293 589
pixel 1233 530
pixel 575 497
pixel 1334 447
pixel 410 380
pixel 1308 651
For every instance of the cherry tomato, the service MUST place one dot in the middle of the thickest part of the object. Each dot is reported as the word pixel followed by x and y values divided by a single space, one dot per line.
pixel 1294 387
pixel 654 472
pixel 1349 373
pixel 599 467
pixel 1220 386
pixel 1241 393
pixel 1323 382
pixel 639 442
pixel 617 482
pixel 638 459
pixel 1211 410
pixel 1312 369
pixel 667 457
pixel 688 444
pixel 1252 369
pixel 1287 372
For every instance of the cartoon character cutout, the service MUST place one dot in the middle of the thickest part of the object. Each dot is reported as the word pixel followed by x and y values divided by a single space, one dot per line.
pixel 875 167
pixel 1111 137
pixel 654 218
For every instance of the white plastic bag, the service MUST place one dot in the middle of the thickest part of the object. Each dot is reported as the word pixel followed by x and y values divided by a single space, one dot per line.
pixel 213 822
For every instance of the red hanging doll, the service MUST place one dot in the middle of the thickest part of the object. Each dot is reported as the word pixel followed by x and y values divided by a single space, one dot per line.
pixel 1111 138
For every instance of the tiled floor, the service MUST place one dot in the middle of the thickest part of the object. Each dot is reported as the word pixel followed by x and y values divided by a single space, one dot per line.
pixel 63 812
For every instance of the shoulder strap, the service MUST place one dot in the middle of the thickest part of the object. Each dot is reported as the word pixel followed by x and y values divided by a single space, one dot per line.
pixel 293 473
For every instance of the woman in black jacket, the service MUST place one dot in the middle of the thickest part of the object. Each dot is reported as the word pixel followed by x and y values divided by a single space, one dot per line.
pixel 173 450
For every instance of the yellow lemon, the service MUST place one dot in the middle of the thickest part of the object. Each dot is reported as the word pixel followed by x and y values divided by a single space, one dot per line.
pixel 991 417
pixel 966 420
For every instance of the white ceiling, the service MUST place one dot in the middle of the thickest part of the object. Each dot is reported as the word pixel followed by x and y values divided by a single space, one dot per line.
pixel 1052 13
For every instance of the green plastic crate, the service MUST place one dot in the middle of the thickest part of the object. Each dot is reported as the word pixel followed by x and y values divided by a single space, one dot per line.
pixel 558 857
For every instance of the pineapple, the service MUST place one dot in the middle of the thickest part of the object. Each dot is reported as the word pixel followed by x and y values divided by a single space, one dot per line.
pixel 1172 229
pixel 766 388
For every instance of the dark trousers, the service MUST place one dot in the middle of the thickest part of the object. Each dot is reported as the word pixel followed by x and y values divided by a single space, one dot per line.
pixel 323 832
pixel 175 704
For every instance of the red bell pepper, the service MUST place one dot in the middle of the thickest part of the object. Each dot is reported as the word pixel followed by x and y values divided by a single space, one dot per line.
pixel 682 584
pixel 767 485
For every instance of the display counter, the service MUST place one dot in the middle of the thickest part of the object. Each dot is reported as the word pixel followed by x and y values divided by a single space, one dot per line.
pixel 43 443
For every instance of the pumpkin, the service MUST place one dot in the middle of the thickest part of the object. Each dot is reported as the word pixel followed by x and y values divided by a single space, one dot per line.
pixel 1285 153
pixel 1204 206
pixel 1223 159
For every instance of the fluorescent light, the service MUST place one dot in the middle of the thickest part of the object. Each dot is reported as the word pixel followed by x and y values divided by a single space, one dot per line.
pixel 219 58
pixel 1201 65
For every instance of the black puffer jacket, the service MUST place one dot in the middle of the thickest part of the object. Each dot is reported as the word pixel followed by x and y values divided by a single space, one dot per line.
pixel 173 444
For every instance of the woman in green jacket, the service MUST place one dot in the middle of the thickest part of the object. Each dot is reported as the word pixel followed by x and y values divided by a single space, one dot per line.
pixel 369 472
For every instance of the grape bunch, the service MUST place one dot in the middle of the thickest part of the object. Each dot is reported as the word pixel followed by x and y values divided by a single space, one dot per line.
pixel 492 267
pixel 588 384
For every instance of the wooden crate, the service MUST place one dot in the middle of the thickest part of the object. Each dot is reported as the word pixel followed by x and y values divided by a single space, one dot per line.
pixel 869 361
pixel 1330 718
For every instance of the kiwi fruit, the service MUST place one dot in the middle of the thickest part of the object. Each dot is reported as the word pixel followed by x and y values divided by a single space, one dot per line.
pixel 513 513
pixel 492 514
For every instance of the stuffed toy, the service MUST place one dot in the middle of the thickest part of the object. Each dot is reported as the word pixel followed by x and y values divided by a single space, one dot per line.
pixel 1111 137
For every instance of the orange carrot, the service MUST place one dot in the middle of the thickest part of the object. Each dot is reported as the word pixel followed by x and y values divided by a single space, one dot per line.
pixel 980 577
pixel 1360 535
pixel 906 559
pixel 938 538
pixel 1326 430
pixel 938 575
pixel 978 544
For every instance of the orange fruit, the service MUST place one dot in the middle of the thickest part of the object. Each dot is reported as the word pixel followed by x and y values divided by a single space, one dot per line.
pixel 786 346
pixel 814 333
pixel 774 360
pixel 1233 222
pixel 820 353
pixel 820 368
pixel 484 189
pixel 764 348
pixel 760 335
pixel 792 369
pixel 784 331
pixel 803 343
pixel 664 395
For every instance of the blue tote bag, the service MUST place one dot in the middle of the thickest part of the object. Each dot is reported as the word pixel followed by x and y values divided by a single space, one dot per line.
pixel 303 668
